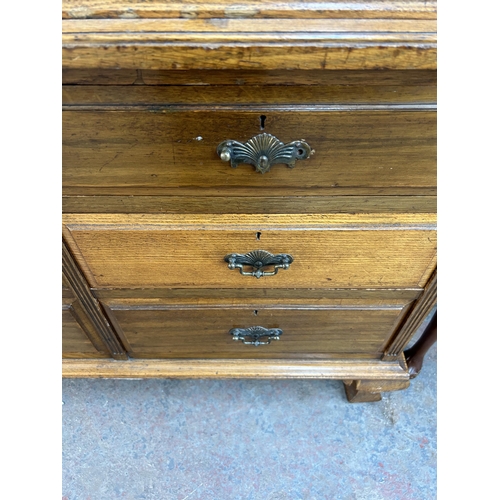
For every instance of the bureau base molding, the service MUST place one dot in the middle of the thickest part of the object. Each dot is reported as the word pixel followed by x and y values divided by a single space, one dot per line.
pixel 339 369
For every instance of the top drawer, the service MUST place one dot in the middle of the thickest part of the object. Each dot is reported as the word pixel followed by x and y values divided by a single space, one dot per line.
pixel 372 133
pixel 139 150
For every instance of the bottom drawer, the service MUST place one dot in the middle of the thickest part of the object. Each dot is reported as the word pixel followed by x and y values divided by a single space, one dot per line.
pixel 197 329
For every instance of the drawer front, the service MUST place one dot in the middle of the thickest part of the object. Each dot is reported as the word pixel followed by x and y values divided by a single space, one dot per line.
pixel 190 330
pixel 328 251
pixel 150 151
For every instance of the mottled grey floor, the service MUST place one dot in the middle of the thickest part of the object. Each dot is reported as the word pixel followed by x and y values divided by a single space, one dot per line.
pixel 247 439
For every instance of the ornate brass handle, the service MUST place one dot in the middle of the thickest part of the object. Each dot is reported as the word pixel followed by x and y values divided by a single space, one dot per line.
pixel 256 333
pixel 263 151
pixel 258 259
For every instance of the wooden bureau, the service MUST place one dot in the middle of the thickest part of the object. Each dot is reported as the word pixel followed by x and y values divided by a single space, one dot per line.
pixel 249 190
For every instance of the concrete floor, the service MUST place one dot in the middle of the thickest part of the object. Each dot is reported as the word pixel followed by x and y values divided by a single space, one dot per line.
pixel 247 439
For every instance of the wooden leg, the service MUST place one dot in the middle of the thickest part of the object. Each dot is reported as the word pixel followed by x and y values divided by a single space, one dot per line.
pixel 367 391
pixel 415 355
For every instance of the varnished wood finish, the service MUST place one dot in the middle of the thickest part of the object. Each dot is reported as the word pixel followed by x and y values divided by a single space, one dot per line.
pixel 169 148
pixel 346 44
pixel 368 391
pixel 151 88
pixel 79 337
pixel 249 193
pixel 340 369
pixel 415 354
pixel 322 329
pixel 90 309
pixel 96 76
pixel 98 95
pixel 367 251
pixel 66 292
pixel 245 30
pixel 198 9
pixel 420 311
pixel 377 296
pixel 248 204
pixel 425 80
pixel 365 52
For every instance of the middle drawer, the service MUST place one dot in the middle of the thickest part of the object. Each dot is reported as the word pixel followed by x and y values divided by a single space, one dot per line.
pixel 191 251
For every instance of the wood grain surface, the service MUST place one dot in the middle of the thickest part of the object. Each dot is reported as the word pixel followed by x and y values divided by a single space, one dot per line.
pixel 419 312
pixel 361 54
pixel 87 311
pixel 313 297
pixel 249 204
pixel 377 250
pixel 75 339
pixel 151 88
pixel 171 148
pixel 246 30
pixel 196 330
pixel 256 44
pixel 339 369
pixel 197 9
pixel 360 79
pixel 99 95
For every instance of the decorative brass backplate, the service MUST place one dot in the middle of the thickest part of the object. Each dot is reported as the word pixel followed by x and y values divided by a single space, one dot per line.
pixel 258 259
pixel 256 333
pixel 263 151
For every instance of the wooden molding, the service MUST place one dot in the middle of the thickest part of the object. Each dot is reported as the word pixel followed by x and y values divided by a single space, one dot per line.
pixel 75 308
pixel 415 355
pixel 341 369
pixel 334 97
pixel 225 44
pixel 228 9
pixel 90 304
pixel 422 308
pixel 180 295
pixel 234 204
pixel 423 80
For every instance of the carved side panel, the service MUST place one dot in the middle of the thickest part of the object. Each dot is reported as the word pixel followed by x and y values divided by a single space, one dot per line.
pixel 422 308
pixel 88 311
pixel 79 337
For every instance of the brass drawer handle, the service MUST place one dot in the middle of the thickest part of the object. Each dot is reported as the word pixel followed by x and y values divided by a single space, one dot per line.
pixel 256 333
pixel 257 260
pixel 263 151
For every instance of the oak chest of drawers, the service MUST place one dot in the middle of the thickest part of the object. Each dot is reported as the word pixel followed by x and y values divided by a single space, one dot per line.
pixel 248 190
